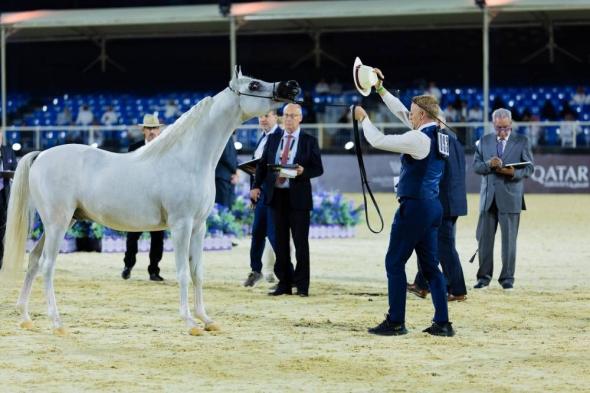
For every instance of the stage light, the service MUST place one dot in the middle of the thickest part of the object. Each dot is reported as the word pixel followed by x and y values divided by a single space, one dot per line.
pixel 349 145
pixel 480 3
pixel 16 146
pixel 238 145
pixel 225 7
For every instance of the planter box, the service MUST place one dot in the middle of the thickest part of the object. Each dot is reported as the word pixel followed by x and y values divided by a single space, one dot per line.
pixel 118 244
pixel 331 232
pixel 67 245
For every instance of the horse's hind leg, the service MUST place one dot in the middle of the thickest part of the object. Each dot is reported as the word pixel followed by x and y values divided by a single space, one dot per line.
pixel 54 234
pixel 23 301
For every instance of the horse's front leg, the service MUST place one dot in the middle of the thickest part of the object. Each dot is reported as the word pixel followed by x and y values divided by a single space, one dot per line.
pixel 181 233
pixel 196 266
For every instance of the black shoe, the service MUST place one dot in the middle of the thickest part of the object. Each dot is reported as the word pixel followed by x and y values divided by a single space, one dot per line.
pixel 445 330
pixel 281 291
pixel 252 279
pixel 126 273
pixel 387 328
pixel 481 285
pixel 507 286
pixel 302 293
pixel 156 277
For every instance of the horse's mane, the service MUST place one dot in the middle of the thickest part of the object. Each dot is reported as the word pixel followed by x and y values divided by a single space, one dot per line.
pixel 170 136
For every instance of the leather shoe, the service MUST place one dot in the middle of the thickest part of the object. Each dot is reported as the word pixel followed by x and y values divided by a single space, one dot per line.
pixel 281 291
pixel 388 328
pixel 456 298
pixel 126 273
pixel 421 293
pixel 302 293
pixel 444 330
pixel 155 277
pixel 481 285
pixel 507 286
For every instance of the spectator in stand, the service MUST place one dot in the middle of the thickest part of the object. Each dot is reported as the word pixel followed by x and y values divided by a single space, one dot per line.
pixel 171 110
pixel 433 91
pixel 548 111
pixel 322 87
pixel 336 87
pixel 580 98
pixel 475 114
pixel 85 116
pixel 451 114
pixel 64 118
pixel 569 131
pixel 109 117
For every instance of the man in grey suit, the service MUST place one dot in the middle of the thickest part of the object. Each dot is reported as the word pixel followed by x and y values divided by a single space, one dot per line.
pixel 501 195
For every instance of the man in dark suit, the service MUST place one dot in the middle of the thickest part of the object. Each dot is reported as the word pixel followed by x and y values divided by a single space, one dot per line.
pixel 151 129
pixel 263 224
pixel 453 198
pixel 225 175
pixel 288 192
pixel 7 163
pixel 501 197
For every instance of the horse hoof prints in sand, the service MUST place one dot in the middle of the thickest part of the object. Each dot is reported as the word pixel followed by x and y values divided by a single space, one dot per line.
pixel 174 174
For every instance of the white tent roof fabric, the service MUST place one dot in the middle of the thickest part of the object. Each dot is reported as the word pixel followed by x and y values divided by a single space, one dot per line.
pixel 267 17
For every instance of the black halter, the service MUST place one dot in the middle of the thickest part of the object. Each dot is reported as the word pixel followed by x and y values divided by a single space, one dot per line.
pixel 275 97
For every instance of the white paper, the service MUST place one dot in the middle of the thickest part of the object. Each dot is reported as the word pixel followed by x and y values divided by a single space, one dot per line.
pixel 288 173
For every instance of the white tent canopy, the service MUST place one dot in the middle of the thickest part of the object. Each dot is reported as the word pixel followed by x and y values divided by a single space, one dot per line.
pixel 279 17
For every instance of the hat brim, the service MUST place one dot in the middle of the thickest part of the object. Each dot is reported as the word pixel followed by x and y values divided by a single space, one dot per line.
pixel 151 125
pixel 355 69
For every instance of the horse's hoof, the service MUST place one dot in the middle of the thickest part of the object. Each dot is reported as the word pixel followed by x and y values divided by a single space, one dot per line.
pixel 28 325
pixel 60 331
pixel 212 327
pixel 196 331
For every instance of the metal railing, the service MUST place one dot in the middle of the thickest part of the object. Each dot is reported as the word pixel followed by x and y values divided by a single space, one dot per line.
pixel 331 136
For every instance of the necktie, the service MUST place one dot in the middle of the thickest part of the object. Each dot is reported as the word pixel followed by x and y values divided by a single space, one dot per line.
pixel 500 148
pixel 285 156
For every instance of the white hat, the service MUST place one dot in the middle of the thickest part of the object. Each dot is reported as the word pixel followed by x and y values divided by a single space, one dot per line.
pixel 151 121
pixel 364 77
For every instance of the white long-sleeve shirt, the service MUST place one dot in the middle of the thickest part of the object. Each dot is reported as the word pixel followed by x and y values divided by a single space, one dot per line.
pixel 414 142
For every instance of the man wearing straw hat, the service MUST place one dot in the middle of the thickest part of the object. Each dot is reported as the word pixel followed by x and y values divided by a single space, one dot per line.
pixel 419 215
pixel 151 129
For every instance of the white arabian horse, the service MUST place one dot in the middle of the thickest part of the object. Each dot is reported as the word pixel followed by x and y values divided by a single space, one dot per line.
pixel 174 175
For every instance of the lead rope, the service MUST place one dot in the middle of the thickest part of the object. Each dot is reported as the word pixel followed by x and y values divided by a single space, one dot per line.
pixel 364 182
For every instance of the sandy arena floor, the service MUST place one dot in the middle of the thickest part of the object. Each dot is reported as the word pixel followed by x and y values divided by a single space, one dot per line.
pixel 126 336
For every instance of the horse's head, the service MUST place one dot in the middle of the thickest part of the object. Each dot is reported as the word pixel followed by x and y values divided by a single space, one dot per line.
pixel 258 97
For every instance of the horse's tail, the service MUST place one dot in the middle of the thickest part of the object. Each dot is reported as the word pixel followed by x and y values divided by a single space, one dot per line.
pixel 17 223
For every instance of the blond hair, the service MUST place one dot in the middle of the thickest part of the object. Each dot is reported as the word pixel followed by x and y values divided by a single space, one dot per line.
pixel 429 105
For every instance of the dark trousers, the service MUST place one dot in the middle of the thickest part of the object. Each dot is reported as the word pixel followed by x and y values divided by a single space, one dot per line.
pixel 156 250
pixel 262 227
pixel 297 222
pixel 3 207
pixel 449 259
pixel 415 227
pixel 225 194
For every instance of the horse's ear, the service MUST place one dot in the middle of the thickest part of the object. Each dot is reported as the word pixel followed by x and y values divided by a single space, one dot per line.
pixel 236 72
pixel 239 71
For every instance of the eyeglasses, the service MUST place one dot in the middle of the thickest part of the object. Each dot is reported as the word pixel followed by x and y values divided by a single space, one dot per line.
pixel 503 129
pixel 291 116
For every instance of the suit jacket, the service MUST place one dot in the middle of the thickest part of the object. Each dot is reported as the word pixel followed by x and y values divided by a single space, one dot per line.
pixel 452 190
pixel 508 192
pixel 278 130
pixel 8 164
pixel 136 145
pixel 308 156
pixel 228 163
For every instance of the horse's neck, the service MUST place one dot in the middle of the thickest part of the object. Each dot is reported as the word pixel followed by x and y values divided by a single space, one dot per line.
pixel 205 143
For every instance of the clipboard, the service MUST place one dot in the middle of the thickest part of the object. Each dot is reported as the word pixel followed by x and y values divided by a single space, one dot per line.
pixel 517 165
pixel 278 167
pixel 249 166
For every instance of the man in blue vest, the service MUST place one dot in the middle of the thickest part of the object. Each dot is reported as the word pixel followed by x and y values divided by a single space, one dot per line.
pixel 263 224
pixel 453 198
pixel 419 215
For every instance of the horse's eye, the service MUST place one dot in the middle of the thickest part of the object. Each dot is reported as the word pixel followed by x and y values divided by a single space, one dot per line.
pixel 254 86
